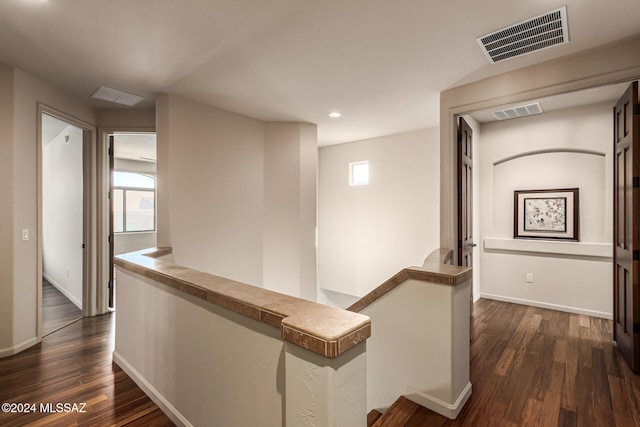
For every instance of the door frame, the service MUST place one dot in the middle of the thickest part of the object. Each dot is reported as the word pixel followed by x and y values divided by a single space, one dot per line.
pixel 450 111
pixel 89 211
pixel 104 209
pixel 476 100
pixel 625 242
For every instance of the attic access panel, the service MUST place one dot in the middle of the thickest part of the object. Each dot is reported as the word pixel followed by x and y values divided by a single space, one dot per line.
pixel 540 32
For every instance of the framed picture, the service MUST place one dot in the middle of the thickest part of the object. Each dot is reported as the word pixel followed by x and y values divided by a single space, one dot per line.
pixel 546 214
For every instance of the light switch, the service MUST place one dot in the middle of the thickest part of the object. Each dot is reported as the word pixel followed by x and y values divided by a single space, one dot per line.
pixel 25 235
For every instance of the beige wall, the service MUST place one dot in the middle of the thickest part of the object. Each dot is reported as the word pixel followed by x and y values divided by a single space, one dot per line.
pixel 366 234
pixel 214 192
pixel 236 196
pixel 610 64
pixel 20 279
pixel 126 118
pixel 7 231
pixel 290 169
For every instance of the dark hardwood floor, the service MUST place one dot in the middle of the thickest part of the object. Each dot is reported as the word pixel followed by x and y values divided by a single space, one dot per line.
pixel 537 367
pixel 57 310
pixel 529 367
pixel 73 365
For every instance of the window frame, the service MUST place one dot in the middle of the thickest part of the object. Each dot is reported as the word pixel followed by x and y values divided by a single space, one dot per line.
pixel 124 190
pixel 352 166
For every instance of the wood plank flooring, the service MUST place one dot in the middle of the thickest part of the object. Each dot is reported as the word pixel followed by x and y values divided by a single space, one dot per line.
pixel 74 365
pixel 529 367
pixel 57 310
pixel 537 367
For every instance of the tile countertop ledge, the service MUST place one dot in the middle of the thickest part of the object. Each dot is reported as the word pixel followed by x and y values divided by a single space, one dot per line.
pixel 318 328
pixel 442 274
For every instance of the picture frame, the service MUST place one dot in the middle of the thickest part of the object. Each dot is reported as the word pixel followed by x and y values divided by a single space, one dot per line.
pixel 546 214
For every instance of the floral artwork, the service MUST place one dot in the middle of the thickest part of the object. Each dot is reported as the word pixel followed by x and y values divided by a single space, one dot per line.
pixel 545 214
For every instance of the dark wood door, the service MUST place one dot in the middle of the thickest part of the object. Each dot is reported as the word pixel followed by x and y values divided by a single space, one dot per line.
pixel 465 194
pixel 111 234
pixel 626 310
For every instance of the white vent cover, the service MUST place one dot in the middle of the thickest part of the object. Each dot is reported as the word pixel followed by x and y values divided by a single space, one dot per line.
pixel 535 34
pixel 117 96
pixel 515 112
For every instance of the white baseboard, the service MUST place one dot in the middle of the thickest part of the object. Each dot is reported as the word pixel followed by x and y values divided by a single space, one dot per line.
pixel 568 309
pixel 150 391
pixel 443 408
pixel 64 291
pixel 10 351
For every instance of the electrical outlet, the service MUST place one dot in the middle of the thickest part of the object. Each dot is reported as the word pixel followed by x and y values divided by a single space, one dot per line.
pixel 529 278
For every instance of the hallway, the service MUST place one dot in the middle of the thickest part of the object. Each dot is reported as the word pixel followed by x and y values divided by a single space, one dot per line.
pixel 73 365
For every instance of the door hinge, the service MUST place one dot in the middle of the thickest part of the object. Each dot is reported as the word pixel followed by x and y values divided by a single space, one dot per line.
pixel 84 246
pixel 110 151
pixel 636 255
pixel 109 239
pixel 109 195
pixel 636 182
pixel 636 109
pixel 459 244
pixel 110 284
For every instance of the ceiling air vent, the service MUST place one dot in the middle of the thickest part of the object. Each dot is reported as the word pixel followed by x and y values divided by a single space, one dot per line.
pixel 535 34
pixel 515 112
pixel 117 96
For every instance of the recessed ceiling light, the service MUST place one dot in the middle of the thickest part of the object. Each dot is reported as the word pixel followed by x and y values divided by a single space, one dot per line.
pixel 117 96
pixel 335 115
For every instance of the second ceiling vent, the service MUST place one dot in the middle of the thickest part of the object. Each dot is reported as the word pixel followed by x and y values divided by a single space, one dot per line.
pixel 534 34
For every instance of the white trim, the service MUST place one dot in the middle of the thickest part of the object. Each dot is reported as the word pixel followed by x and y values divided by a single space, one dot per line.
pixel 558 307
pixel 443 408
pixel 150 391
pixel 63 291
pixel 596 250
pixel 10 351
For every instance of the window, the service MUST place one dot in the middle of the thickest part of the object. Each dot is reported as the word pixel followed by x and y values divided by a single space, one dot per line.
pixel 359 173
pixel 134 202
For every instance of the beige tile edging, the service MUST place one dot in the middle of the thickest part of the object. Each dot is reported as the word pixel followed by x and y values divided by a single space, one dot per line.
pixel 443 274
pixel 318 328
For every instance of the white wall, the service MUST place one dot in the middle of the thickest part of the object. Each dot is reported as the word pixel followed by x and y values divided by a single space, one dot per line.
pixel 366 234
pixel 564 149
pixel 62 212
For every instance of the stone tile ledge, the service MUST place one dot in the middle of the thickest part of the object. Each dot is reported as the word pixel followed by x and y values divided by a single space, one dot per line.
pixel 442 274
pixel 318 328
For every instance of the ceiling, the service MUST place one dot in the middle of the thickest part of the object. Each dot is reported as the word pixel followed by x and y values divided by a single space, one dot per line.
pixel 609 93
pixel 381 64
pixel 140 147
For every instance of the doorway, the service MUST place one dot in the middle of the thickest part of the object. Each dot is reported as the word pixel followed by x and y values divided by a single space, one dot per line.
pixel 64 154
pixel 567 146
pixel 132 197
